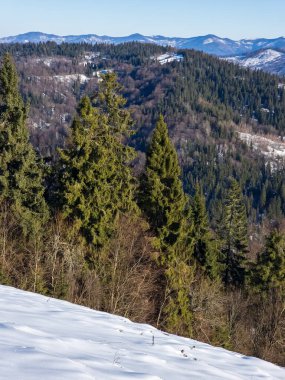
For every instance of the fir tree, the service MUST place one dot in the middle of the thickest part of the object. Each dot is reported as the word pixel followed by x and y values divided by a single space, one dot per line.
pixel 163 198
pixel 169 214
pixel 205 247
pixel 234 237
pixel 21 176
pixel 111 106
pixel 97 183
pixel 270 267
pixel 179 317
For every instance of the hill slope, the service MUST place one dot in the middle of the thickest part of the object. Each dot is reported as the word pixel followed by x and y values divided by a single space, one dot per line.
pixel 270 60
pixel 51 339
pixel 204 99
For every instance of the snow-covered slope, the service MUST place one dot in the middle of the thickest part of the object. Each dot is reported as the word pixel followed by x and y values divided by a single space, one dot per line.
pixel 43 338
pixel 210 43
pixel 269 60
pixel 271 149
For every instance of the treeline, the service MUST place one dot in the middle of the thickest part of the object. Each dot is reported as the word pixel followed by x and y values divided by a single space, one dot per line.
pixel 87 230
pixel 131 52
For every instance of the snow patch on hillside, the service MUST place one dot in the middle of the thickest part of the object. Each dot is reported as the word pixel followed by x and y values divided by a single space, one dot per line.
pixel 44 338
pixel 266 146
pixel 71 78
pixel 262 58
pixel 208 41
pixel 169 57
pixel 267 59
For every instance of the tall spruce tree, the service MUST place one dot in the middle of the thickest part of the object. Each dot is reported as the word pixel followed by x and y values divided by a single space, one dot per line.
pixel 97 182
pixel 270 268
pixel 205 248
pixel 166 206
pixel 234 237
pixel 21 175
pixel 111 106
pixel 163 198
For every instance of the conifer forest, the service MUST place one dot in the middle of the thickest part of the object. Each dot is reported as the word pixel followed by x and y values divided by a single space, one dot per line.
pixel 125 186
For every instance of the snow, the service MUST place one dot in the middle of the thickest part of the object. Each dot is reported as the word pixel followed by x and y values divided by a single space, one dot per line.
pixel 266 146
pixel 212 40
pixel 89 58
pixel 266 110
pixel 70 78
pixel 169 57
pixel 49 339
pixel 258 60
pixel 262 58
pixel 232 59
pixel 208 41
pixel 45 61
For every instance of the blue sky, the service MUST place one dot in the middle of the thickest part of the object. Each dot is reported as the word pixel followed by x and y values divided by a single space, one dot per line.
pixel 183 18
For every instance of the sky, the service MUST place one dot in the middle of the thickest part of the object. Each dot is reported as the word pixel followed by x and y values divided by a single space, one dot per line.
pixel 234 19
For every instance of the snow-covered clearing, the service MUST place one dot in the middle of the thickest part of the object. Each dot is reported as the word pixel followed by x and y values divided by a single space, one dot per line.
pixel 169 57
pixel 71 78
pixel 43 338
pixel 268 147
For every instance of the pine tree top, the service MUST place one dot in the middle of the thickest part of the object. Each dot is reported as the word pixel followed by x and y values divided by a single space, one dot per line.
pixel 162 156
pixel 9 86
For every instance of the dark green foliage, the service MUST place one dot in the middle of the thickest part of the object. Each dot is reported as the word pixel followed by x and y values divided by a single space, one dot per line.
pixel 225 91
pixel 233 231
pixel 165 204
pixel 205 249
pixel 97 183
pixel 131 52
pixel 21 177
pixel 270 268
pixel 213 164
pixel 178 316
pixel 163 198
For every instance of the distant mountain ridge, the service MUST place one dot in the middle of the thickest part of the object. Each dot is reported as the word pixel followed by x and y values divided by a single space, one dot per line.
pixel 210 43
pixel 270 60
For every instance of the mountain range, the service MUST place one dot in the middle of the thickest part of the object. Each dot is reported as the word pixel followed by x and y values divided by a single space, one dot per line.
pixel 262 53
pixel 209 44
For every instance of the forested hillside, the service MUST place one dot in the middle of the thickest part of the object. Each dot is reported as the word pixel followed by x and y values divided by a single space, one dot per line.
pixel 205 101
pixel 137 196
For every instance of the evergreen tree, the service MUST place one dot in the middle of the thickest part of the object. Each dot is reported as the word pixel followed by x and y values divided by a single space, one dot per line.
pixel 163 198
pixel 178 315
pixel 205 248
pixel 21 176
pixel 111 106
pixel 169 214
pixel 97 181
pixel 270 267
pixel 234 237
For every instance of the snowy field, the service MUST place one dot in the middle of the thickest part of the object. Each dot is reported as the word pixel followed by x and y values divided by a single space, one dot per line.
pixel 43 338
